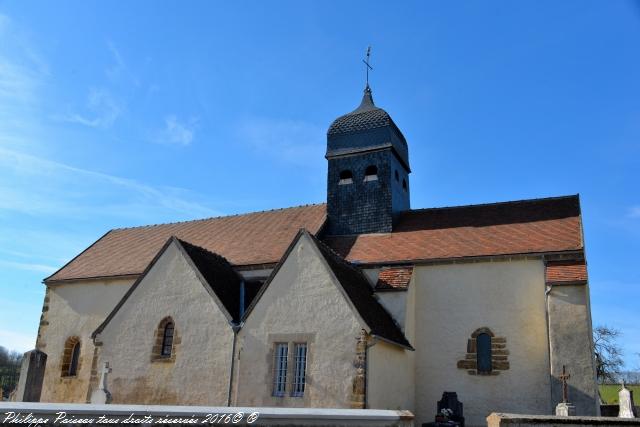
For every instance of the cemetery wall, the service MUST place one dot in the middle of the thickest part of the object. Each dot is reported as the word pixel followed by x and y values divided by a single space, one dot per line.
pixel 74 309
pixel 266 416
pixel 198 371
pixel 454 300
pixel 518 420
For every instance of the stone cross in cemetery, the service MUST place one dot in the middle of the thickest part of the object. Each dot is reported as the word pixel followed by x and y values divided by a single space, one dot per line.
pixel 564 408
pixel 565 391
pixel 625 397
pixel 102 395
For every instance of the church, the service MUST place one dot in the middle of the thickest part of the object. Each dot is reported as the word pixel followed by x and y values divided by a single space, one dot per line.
pixel 361 302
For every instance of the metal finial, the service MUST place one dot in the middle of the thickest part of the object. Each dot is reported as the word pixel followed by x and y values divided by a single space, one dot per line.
pixel 366 62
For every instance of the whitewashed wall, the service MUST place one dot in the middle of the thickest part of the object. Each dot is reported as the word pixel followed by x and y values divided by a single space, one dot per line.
pixel 454 300
pixel 74 309
pixel 302 303
pixel 200 373
pixel 391 369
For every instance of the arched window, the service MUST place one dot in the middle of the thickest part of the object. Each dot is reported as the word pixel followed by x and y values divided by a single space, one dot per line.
pixel 397 177
pixel 371 173
pixel 71 357
pixel 346 177
pixel 404 184
pixel 75 357
pixel 483 355
pixel 487 354
pixel 167 340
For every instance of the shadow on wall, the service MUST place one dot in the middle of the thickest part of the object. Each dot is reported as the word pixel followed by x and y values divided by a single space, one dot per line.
pixel 584 403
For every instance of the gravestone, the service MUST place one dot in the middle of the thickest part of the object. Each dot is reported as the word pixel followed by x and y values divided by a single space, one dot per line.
pixel 450 401
pixel 625 397
pixel 102 396
pixel 31 377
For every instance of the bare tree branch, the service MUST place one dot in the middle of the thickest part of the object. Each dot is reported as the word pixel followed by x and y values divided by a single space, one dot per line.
pixel 607 353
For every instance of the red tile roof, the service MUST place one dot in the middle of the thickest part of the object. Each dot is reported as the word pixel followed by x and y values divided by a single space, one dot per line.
pixel 564 272
pixel 394 278
pixel 521 227
pixel 255 238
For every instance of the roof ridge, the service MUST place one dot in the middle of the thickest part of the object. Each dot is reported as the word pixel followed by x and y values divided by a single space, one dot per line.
pixel 508 202
pixel 215 254
pixel 217 217
pixel 336 255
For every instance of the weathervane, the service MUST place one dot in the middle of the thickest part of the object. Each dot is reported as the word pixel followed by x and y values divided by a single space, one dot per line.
pixel 366 62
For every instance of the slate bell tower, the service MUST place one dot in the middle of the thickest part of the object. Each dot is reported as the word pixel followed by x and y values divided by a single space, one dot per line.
pixel 368 178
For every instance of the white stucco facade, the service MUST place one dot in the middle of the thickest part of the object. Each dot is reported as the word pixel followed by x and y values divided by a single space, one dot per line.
pixel 454 300
pixel 303 303
pixel 74 309
pixel 199 373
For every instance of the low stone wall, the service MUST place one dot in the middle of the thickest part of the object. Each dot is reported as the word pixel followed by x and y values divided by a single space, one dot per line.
pixel 27 413
pixel 613 410
pixel 517 420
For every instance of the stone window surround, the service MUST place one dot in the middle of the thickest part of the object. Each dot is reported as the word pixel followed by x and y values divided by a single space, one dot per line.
pixel 156 351
pixel 67 354
pixel 291 340
pixel 499 354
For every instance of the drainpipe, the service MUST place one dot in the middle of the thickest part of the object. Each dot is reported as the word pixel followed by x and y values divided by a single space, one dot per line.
pixel 366 373
pixel 241 299
pixel 236 328
pixel 546 318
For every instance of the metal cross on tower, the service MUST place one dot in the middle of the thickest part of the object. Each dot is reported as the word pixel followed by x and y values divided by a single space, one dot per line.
pixel 564 377
pixel 366 62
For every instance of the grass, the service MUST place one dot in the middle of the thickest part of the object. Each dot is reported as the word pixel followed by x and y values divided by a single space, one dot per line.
pixel 609 392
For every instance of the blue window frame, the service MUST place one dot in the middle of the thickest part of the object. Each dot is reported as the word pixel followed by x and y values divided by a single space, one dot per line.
pixel 483 343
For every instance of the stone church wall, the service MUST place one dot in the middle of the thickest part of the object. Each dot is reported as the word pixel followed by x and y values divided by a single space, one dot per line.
pixel 391 370
pixel 301 304
pixel 453 301
pixel 198 371
pixel 73 309
pixel 571 344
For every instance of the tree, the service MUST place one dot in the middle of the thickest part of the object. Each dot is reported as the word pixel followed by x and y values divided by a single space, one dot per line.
pixel 607 352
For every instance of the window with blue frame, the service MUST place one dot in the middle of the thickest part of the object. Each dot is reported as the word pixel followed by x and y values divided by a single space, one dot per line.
pixel 483 355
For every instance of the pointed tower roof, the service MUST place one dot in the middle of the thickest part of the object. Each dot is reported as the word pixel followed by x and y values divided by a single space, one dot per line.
pixel 366 116
pixel 366 128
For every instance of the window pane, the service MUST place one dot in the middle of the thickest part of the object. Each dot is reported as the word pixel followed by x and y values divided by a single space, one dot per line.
pixel 75 355
pixel 280 369
pixel 483 342
pixel 167 339
pixel 299 378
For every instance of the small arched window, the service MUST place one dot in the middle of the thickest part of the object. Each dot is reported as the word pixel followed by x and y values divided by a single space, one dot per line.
pixel 404 184
pixel 346 177
pixel 371 173
pixel 75 357
pixel 71 357
pixel 483 355
pixel 167 340
pixel 397 177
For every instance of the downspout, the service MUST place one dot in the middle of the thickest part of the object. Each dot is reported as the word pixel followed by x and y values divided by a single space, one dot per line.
pixel 241 299
pixel 546 318
pixel 235 328
pixel 366 373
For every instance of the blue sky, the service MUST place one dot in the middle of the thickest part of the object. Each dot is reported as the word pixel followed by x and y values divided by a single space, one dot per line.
pixel 166 111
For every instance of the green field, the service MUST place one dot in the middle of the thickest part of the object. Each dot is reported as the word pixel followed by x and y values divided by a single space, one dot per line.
pixel 609 392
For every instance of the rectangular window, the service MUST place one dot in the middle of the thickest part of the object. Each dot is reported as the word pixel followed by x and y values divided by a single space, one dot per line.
pixel 299 373
pixel 280 369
